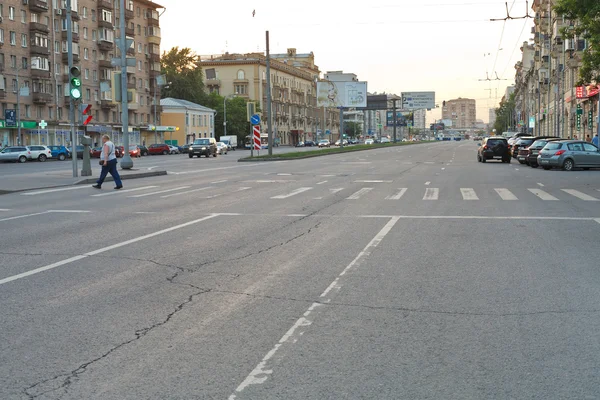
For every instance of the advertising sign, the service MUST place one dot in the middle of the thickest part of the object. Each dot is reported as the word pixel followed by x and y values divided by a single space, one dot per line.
pixel 11 117
pixel 341 94
pixel 403 118
pixel 418 100
pixel 532 122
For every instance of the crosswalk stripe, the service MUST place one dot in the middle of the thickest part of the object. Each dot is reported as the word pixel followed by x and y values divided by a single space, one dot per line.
pixel 580 195
pixel 159 192
pixel 334 191
pixel 186 192
pixel 468 194
pixel 292 193
pixel 398 195
pixel 122 191
pixel 506 194
pixel 54 190
pixel 543 195
pixel 358 194
pixel 431 194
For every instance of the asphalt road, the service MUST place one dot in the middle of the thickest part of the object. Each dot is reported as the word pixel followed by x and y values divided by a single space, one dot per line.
pixel 401 273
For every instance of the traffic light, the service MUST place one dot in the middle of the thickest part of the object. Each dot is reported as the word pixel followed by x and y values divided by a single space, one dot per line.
pixel 75 73
pixel 86 110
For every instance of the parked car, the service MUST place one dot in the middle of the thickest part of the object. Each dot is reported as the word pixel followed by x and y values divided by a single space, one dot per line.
pixel 493 148
pixel 300 144
pixel 15 153
pixel 324 143
pixel 173 149
pixel 143 150
pixel 158 148
pixel 337 142
pixel 40 153
pixel 369 141
pixel 134 151
pixel 533 150
pixel 222 148
pixel 185 148
pixel 353 141
pixel 522 141
pixel 79 150
pixel 60 152
pixel 568 155
pixel 119 151
pixel 309 143
pixel 384 140
pixel 203 147
pixel 95 152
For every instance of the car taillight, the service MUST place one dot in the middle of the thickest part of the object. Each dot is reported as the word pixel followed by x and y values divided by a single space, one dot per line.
pixel 485 147
pixel 560 152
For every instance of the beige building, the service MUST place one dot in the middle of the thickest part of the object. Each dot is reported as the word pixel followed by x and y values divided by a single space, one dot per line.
pixel 462 112
pixel 192 121
pixel 33 55
pixel 293 91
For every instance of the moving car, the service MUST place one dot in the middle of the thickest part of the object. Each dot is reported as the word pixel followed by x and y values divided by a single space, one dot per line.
pixel 15 153
pixel 369 141
pixel 324 143
pixel 143 150
pixel 185 148
pixel 60 152
pixel 385 140
pixel 494 148
pixel 221 148
pixel 309 143
pixel 134 151
pixel 40 153
pixel 568 155
pixel 174 149
pixel 159 148
pixel 299 144
pixel 95 152
pixel 337 142
pixel 203 147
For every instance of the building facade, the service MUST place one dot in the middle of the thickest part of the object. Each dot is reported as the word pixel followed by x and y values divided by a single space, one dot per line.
pixel 34 70
pixel 295 113
pixel 462 112
pixel 192 121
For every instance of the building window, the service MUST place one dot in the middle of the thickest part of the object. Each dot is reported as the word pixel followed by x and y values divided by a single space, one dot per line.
pixel 86 74
pixel 88 94
pixel 240 74
pixel 85 33
pixel 13 38
pixel 1 35
pixel 95 75
pixel 13 61
pixel 84 12
pixel 24 63
pixel 241 89
pixel 93 14
pixel 23 16
pixel 139 65
pixel 106 16
pixel 86 53
pixel 94 35
pixel 139 32
pixel 11 13
pixel 138 12
pixel 27 111
pixel 50 113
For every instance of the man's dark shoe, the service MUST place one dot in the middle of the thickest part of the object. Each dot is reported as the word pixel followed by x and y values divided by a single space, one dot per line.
pixel 97 187
pixel 118 187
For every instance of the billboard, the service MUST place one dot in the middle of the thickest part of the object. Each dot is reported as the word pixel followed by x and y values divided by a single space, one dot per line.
pixel 418 100
pixel 341 94
pixel 403 118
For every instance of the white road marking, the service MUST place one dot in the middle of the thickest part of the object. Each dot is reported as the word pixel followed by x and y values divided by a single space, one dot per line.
pixel 186 192
pixel 284 174
pixel 270 181
pixel 54 190
pixel 159 192
pixel 293 193
pixel 334 191
pixel 241 189
pixel 443 169
pixel 358 194
pixel 468 194
pixel 320 183
pixel 431 194
pixel 317 198
pixel 505 194
pixel 540 184
pixel 23 216
pixel 543 195
pixel 70 211
pixel 375 181
pixel 103 250
pixel 580 195
pixel 427 183
pixel 5 209
pixel 598 219
pixel 398 195
pixel 145 212
pixel 214 183
pixel 151 168
pixel 428 162
pixel 261 372
pixel 123 191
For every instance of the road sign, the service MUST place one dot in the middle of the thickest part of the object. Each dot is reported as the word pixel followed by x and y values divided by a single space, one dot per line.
pixel 256 137
pixel 418 100
pixel 255 119
pixel 11 117
pixel 43 124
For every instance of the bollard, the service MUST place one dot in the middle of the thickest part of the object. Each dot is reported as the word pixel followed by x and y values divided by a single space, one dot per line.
pixel 86 169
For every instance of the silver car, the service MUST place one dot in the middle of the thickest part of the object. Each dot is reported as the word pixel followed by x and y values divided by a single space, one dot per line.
pixel 15 153
pixel 40 153
pixel 222 148
pixel 568 155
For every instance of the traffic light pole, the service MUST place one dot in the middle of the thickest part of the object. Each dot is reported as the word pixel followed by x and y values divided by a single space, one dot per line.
pixel 126 161
pixel 71 101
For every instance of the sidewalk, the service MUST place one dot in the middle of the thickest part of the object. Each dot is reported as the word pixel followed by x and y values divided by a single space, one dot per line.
pixel 45 180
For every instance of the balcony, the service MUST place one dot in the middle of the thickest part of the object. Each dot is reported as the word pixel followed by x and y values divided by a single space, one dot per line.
pixel 74 14
pixel 213 82
pixel 155 58
pixel 107 104
pixel 154 40
pixel 129 31
pixel 106 4
pixel 40 73
pixel 37 27
pixel 131 51
pixel 130 85
pixel 104 64
pixel 105 24
pixel 2 93
pixel 42 98
pixel 76 37
pixel 39 50
pixel 65 57
pixel 128 14
pixel 134 106
pixel 38 6
pixel 105 45
pixel 152 20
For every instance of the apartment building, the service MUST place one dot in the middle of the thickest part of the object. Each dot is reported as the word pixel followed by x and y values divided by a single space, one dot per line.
pixel 193 120
pixel 293 91
pixel 34 71
pixel 546 93
pixel 462 112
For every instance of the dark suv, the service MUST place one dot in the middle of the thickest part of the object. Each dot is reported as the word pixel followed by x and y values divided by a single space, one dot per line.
pixel 203 147
pixel 493 148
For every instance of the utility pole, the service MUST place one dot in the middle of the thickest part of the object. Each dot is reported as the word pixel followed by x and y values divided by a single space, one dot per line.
pixel 395 119
pixel 126 161
pixel 269 120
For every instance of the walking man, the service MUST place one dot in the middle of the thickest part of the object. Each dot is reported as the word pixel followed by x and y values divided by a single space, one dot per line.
pixel 108 160
pixel 595 140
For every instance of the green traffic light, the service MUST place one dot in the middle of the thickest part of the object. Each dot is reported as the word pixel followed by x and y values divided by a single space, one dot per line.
pixel 76 82
pixel 75 93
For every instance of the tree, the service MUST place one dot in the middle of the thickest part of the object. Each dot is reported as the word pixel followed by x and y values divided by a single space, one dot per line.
pixel 237 124
pixel 505 115
pixel 184 75
pixel 352 129
pixel 586 17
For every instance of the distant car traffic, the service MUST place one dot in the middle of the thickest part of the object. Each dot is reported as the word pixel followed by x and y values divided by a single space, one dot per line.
pixel 134 151
pixel 384 140
pixel 222 148
pixel 299 144
pixel 369 141
pixel 143 150
pixel 494 148
pixel 159 148
pixel 309 143
pixel 174 149
pixel 203 147
pixel 324 143
pixel 95 152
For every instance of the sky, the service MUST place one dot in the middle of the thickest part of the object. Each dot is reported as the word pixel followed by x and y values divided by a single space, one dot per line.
pixel 447 46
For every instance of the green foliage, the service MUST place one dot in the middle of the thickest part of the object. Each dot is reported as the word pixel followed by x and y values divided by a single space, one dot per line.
pixel 184 75
pixel 504 115
pixel 352 129
pixel 237 123
pixel 586 17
